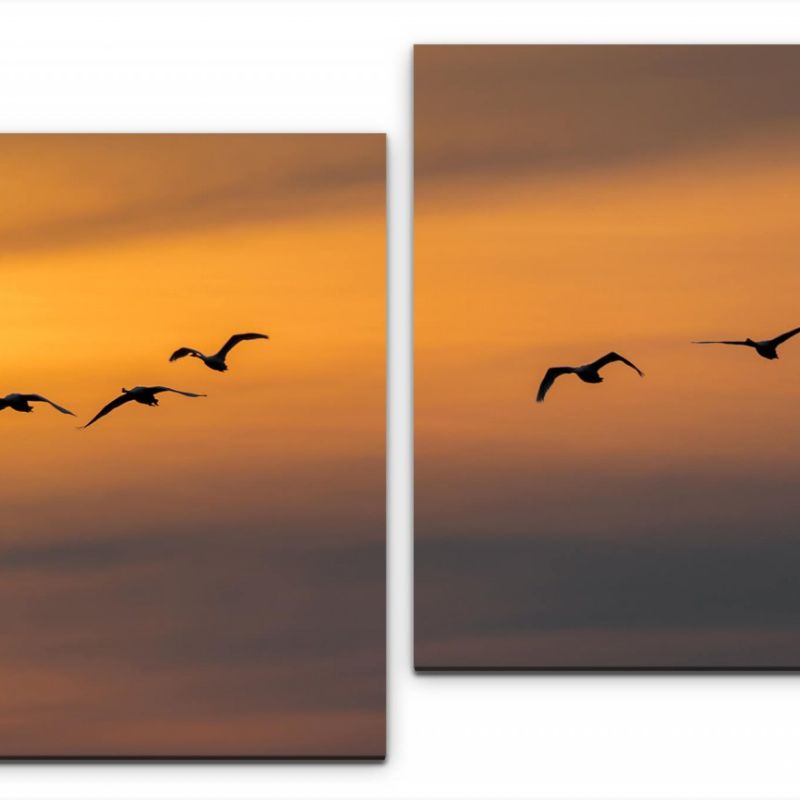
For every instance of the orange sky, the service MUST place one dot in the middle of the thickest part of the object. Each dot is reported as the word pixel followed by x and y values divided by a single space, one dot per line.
pixel 195 553
pixel 571 201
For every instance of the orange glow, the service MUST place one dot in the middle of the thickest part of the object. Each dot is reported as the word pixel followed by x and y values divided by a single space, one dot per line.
pixel 534 273
pixel 571 201
pixel 114 251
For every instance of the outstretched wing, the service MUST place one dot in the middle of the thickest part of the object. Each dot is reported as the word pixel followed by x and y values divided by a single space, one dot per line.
pixel 610 358
pixel 115 403
pixel 745 344
pixel 37 398
pixel 235 339
pixel 159 389
pixel 784 336
pixel 182 352
pixel 549 379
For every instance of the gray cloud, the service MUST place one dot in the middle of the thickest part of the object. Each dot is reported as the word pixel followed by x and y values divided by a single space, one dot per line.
pixel 532 584
pixel 483 109
pixel 212 624
pixel 594 565
pixel 155 183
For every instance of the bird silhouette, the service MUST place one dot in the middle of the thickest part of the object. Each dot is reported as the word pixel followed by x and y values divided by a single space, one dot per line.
pixel 588 373
pixel 217 361
pixel 146 395
pixel 22 402
pixel 766 348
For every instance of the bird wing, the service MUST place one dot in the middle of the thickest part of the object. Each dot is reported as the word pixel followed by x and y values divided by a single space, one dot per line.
pixel 235 339
pixel 159 389
pixel 784 336
pixel 549 379
pixel 746 344
pixel 610 358
pixel 182 352
pixel 37 398
pixel 115 403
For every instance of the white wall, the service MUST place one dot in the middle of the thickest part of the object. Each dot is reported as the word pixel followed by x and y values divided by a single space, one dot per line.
pixel 346 66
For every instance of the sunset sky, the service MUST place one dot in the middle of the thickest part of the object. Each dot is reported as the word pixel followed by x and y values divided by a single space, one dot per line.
pixel 205 577
pixel 575 200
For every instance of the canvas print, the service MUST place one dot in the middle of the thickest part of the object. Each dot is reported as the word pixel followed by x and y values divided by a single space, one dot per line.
pixel 192 508
pixel 607 357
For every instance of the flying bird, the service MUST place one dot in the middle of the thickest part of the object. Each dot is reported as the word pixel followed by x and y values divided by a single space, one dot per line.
pixel 22 402
pixel 766 348
pixel 217 361
pixel 588 373
pixel 146 395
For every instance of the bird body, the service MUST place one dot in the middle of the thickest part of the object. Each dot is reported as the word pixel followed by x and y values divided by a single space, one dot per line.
pixel 216 361
pixel 588 373
pixel 146 395
pixel 22 402
pixel 766 348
